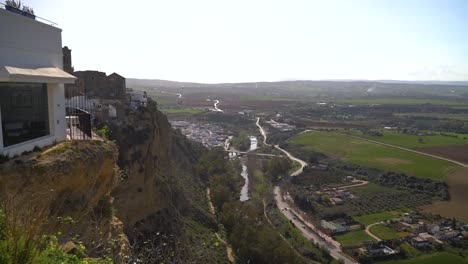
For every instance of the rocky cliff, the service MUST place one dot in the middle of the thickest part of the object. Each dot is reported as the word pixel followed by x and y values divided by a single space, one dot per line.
pixel 132 197
pixel 65 190
pixel 159 193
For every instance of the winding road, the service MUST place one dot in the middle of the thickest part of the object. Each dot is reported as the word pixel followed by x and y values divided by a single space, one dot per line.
pixel 370 233
pixel 307 229
pixel 215 106
pixel 177 94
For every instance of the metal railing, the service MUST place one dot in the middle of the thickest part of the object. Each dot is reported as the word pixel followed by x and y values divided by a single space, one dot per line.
pixel 37 18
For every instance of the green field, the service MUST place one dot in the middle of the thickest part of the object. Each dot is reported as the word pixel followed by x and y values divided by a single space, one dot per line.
pixel 182 110
pixel 402 101
pixel 463 117
pixel 378 217
pixel 386 233
pixel 266 98
pixel 434 258
pixel 369 154
pixel 412 141
pixel 160 98
pixel 353 238
pixel 370 188
pixel 295 166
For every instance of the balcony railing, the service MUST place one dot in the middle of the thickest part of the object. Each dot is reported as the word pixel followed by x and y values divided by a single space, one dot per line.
pixel 35 17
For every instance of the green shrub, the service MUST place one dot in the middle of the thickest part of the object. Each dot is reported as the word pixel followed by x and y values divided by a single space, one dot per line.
pixel 104 132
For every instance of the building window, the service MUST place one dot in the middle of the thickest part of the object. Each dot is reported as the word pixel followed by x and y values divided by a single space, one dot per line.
pixel 24 112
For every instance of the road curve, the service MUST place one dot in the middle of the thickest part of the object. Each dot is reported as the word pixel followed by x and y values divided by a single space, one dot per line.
pixel 215 106
pixel 370 233
pixel 262 131
pixel 291 157
pixel 178 94
pixel 307 229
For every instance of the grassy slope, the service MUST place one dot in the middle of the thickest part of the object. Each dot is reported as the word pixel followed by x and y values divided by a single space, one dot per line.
pixel 386 233
pixel 353 238
pixel 412 141
pixel 377 217
pixel 369 154
pixel 370 188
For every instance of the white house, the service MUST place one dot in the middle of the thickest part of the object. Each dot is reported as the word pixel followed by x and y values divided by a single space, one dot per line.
pixel 32 101
pixel 137 98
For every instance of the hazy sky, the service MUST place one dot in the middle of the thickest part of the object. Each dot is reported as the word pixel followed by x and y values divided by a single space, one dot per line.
pixel 232 41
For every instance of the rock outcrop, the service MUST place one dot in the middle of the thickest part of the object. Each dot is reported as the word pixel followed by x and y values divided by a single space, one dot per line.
pixel 135 197
pixel 67 187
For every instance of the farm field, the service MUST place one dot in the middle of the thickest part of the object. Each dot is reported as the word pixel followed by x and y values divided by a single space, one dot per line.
pixel 400 101
pixel 377 217
pixel 463 117
pixel 266 98
pixel 412 141
pixel 456 206
pixel 458 152
pixel 182 110
pixel 365 153
pixel 370 188
pixel 353 238
pixel 386 233
pixel 161 99
pixel 434 258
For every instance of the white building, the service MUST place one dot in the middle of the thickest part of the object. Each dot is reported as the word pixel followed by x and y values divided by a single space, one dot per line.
pixel 137 98
pixel 32 101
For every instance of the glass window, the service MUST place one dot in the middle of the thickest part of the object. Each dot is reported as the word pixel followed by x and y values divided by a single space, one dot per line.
pixel 24 112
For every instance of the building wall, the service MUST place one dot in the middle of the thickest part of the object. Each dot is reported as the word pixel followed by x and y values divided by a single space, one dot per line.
pixel 67 60
pixel 27 43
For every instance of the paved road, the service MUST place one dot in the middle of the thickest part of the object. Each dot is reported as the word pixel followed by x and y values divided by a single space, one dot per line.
pixel 307 229
pixel 178 94
pixel 262 131
pixel 291 157
pixel 259 154
pixel 215 105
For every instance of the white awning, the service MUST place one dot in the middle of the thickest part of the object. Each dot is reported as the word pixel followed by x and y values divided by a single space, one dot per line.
pixel 39 75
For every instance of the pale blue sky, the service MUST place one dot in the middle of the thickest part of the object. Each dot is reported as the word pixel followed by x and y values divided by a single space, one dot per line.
pixel 234 41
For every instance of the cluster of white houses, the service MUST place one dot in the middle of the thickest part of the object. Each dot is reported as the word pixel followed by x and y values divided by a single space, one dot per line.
pixel 34 71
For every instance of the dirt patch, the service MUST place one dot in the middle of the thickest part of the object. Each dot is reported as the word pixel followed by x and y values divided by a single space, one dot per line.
pixel 456 206
pixel 458 153
pixel 392 161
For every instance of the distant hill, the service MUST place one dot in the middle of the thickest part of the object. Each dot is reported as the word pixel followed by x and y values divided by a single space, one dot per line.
pixel 133 82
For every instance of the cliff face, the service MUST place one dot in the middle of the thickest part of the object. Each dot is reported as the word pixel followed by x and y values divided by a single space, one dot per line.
pixel 144 140
pixel 71 180
pixel 159 193
pixel 136 198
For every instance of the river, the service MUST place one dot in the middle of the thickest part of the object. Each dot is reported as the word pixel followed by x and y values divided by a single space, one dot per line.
pixel 244 195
